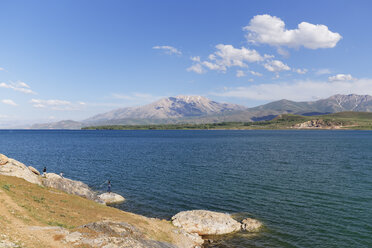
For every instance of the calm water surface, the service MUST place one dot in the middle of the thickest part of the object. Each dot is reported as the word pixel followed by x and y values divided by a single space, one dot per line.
pixel 309 188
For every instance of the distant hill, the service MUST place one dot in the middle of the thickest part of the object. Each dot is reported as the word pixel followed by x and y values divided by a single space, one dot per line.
pixel 198 109
pixel 68 124
pixel 178 107
pixel 333 104
pixel 341 120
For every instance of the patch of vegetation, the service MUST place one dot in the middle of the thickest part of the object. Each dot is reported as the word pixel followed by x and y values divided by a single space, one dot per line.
pixel 55 223
pixel 6 187
pixel 38 199
pixel 345 120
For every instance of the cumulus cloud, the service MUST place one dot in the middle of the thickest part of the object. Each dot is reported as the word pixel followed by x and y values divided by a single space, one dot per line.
pixel 340 77
pixel 276 66
pixel 197 68
pixel 271 30
pixel 9 102
pixel 168 49
pixel 254 73
pixel 300 71
pixel 323 71
pixel 228 56
pixel 56 104
pixel 195 59
pixel 224 57
pixel 299 91
pixel 18 86
pixel 240 73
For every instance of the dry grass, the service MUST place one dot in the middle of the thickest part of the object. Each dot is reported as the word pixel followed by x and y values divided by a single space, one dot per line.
pixel 50 207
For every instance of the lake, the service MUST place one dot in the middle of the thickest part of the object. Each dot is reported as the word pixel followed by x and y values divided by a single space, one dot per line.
pixel 309 188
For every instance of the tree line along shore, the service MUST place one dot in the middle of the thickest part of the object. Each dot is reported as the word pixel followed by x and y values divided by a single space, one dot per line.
pixel 341 120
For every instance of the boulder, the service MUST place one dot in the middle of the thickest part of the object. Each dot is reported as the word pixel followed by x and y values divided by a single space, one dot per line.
pixel 111 198
pixel 17 169
pixel 3 159
pixel 251 225
pixel 205 222
pixel 53 180
pixel 34 170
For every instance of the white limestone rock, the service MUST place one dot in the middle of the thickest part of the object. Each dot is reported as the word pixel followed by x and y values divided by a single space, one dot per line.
pixel 205 222
pixel 111 198
pixel 35 171
pixel 251 225
pixel 53 180
pixel 3 159
pixel 16 169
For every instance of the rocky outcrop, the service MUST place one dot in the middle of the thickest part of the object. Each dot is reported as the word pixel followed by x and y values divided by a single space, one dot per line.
pixel 205 222
pixel 319 123
pixel 53 180
pixel 114 235
pixel 33 170
pixel 3 159
pixel 251 225
pixel 12 167
pixel 111 198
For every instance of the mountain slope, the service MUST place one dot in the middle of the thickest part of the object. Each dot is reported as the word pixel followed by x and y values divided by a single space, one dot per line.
pixel 68 124
pixel 168 108
pixel 198 109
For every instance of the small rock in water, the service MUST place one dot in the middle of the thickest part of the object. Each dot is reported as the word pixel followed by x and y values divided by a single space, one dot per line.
pixel 205 222
pixel 251 225
pixel 111 198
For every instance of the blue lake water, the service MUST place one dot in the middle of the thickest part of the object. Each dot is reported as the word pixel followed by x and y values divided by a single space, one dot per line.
pixel 309 188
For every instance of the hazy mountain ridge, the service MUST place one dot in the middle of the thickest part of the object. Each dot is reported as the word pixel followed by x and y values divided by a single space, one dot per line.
pixel 198 109
pixel 169 108
pixel 67 124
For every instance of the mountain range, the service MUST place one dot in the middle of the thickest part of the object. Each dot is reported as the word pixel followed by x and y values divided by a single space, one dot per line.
pixel 199 109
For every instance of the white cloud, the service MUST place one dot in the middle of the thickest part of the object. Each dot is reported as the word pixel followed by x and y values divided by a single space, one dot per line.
pixel 2 69
pixel 254 73
pixel 9 102
pixel 271 30
pixel 56 104
pixel 276 66
pixel 18 86
pixel 197 68
pixel 300 71
pixel 240 73
pixel 341 77
pixel 283 52
pixel 168 49
pixel 323 71
pixel 226 56
pixel 299 91
pixel 195 59
pixel 38 103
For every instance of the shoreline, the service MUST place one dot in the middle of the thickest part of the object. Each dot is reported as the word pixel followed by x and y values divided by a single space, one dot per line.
pixel 71 211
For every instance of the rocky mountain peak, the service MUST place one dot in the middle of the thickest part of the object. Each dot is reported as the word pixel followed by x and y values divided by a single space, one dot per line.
pixel 170 108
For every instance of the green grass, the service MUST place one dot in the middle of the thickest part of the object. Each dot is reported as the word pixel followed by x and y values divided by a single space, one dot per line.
pixel 346 120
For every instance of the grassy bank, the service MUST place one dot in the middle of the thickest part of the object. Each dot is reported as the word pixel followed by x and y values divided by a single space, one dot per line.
pixel 24 205
pixel 342 120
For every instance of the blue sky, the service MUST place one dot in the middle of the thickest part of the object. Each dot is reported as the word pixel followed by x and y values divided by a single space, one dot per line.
pixel 73 59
